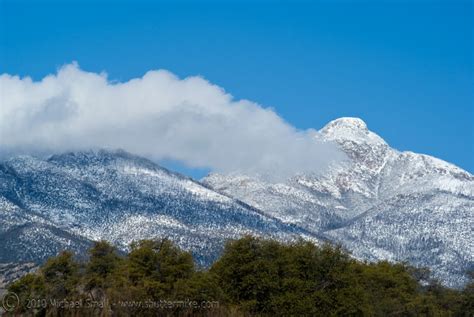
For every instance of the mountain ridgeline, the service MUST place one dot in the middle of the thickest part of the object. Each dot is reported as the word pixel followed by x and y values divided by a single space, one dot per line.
pixel 381 204
pixel 70 200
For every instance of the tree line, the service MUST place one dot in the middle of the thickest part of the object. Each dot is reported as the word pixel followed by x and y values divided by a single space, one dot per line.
pixel 253 277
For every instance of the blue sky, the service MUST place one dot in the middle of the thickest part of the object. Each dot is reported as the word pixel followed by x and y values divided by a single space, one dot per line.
pixel 404 67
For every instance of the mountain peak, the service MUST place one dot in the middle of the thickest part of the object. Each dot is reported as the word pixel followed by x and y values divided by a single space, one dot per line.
pixel 352 129
pixel 348 123
pixel 96 156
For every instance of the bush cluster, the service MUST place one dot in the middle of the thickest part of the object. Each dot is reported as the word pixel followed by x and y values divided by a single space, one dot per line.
pixel 253 277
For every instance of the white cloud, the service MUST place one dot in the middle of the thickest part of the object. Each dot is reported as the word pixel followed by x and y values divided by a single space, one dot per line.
pixel 159 116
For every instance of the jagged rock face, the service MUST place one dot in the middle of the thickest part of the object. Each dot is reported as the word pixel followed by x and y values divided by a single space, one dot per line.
pixel 69 200
pixel 380 204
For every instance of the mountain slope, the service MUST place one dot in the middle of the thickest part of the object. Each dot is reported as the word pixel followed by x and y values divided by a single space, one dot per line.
pixel 380 203
pixel 69 200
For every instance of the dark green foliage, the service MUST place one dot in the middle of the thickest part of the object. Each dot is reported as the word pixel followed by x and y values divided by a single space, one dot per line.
pixel 266 277
pixel 253 277
pixel 467 301
pixel 103 262
pixel 30 286
pixel 160 261
pixel 61 275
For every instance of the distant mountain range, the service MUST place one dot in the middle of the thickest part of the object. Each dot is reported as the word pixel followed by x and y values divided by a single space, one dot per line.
pixel 381 204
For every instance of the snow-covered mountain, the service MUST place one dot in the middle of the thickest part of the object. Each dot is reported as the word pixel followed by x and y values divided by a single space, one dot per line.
pixel 69 200
pixel 380 204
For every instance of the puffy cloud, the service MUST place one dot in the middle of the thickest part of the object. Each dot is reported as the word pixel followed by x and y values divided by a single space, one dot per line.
pixel 159 116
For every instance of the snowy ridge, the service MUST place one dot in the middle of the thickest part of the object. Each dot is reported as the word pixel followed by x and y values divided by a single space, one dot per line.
pixel 69 200
pixel 380 204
